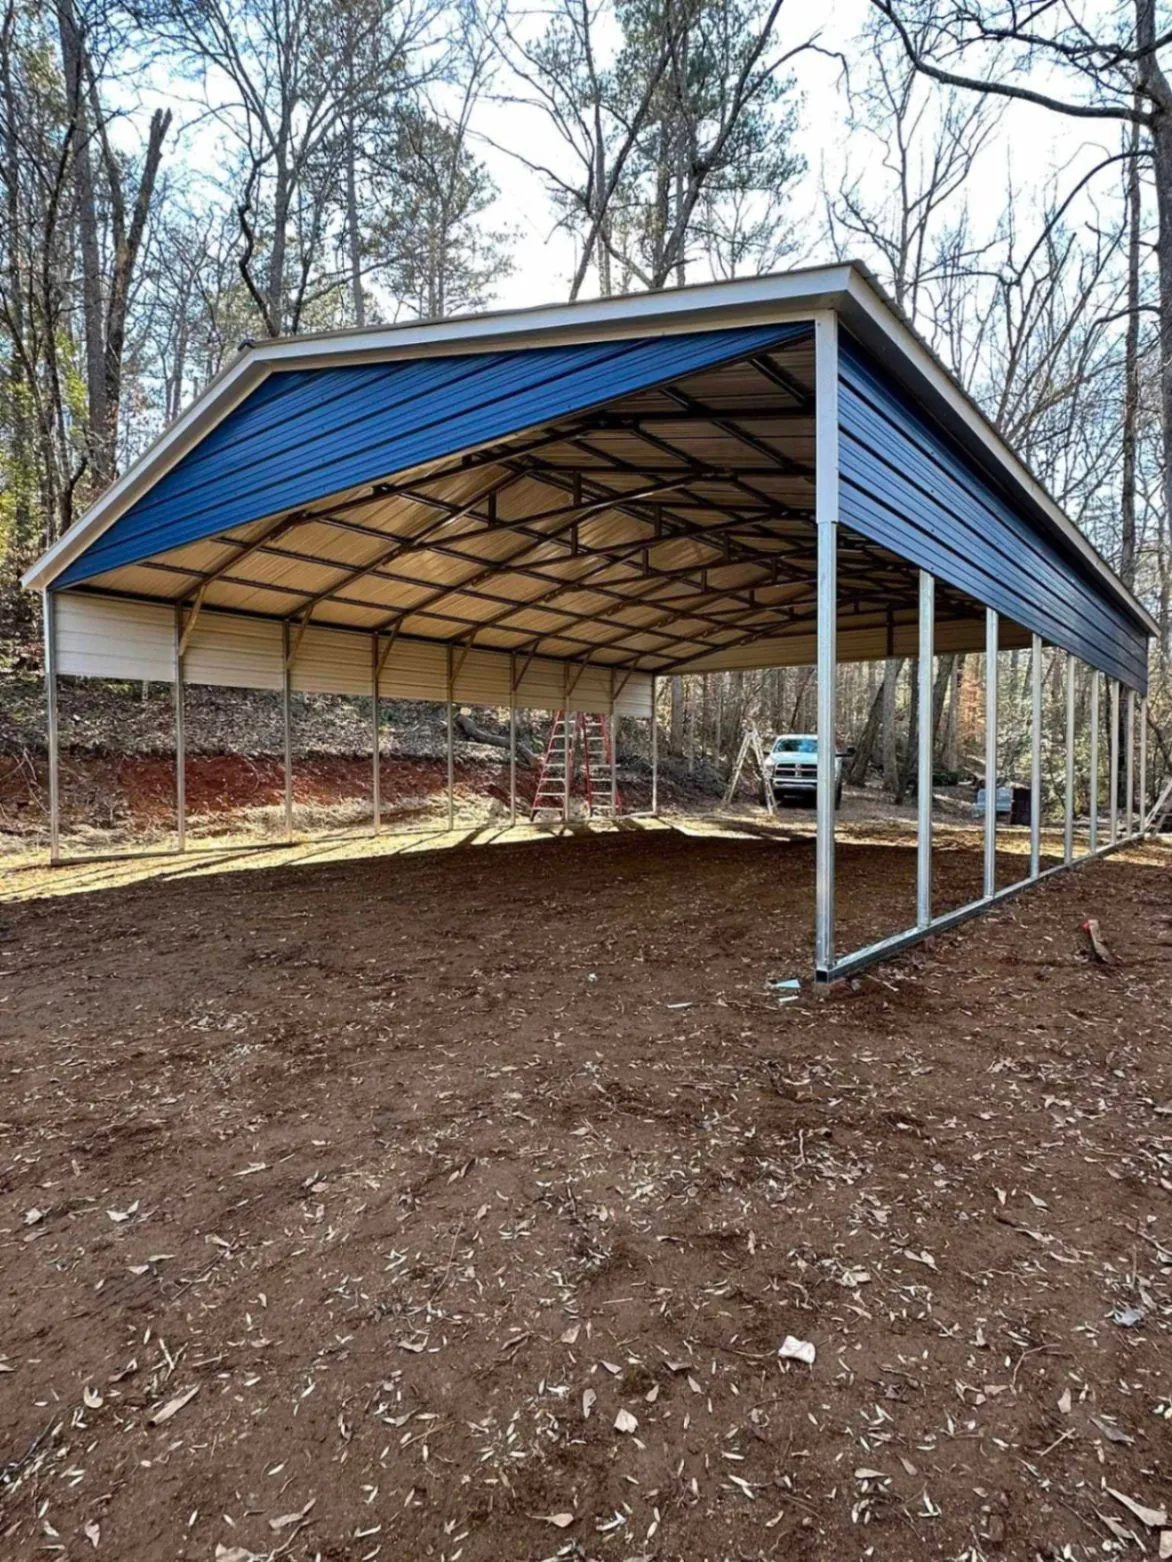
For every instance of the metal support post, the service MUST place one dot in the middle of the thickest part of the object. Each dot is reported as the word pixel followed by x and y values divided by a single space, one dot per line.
pixel 512 739
pixel 1094 797
pixel 567 749
pixel 287 719
pixel 1143 764
pixel 376 796
pixel 924 780
pixel 451 748
pixel 991 644
pixel 1113 756
pixel 826 516
pixel 180 738
pixel 1035 756
pixel 654 744
pixel 1129 766
pixel 1068 811
pixel 49 606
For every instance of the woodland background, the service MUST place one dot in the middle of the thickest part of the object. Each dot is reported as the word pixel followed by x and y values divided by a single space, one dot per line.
pixel 179 176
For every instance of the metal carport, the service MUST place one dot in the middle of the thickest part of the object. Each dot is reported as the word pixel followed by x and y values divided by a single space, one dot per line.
pixel 557 506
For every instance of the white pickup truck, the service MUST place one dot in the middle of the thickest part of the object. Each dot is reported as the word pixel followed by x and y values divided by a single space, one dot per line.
pixel 791 769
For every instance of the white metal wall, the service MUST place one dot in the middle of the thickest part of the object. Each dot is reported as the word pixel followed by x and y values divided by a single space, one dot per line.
pixel 108 637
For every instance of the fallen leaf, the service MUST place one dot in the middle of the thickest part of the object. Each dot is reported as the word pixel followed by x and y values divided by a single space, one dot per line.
pixel 92 1532
pixel 32 1216
pixel 119 1215
pixel 570 1335
pixel 920 1258
pixel 869 1475
pixel 559 1520
pixel 1065 1401
pixel 1165 1545
pixel 1154 1518
pixel 92 1398
pixel 589 1399
pixel 625 1422
pixel 287 1519
pixel 165 1412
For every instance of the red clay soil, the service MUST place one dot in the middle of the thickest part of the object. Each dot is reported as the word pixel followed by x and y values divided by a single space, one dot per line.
pixel 458 1205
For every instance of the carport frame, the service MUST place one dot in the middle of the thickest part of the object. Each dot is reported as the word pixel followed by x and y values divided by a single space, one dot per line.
pixel 847 283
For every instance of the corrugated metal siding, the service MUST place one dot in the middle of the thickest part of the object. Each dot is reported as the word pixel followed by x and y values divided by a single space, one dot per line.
pixel 108 637
pixel 905 485
pixel 304 434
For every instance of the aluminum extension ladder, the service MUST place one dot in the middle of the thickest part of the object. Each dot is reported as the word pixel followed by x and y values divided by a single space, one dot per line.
pixel 750 744
pixel 587 736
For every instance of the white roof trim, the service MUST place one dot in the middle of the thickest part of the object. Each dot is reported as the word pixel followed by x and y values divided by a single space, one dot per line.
pixel 847 288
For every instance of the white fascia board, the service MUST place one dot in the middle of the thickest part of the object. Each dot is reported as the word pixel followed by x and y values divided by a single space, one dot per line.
pixel 867 306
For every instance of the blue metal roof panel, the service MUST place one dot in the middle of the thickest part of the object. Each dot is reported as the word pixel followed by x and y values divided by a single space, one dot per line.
pixel 905 485
pixel 305 434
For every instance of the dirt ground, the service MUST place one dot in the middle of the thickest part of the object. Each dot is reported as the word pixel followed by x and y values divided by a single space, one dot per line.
pixel 457 1205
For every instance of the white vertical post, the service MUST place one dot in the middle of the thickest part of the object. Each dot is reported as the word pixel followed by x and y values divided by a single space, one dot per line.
pixel 826 517
pixel 991 647
pixel 376 797
pixel 287 719
pixel 49 609
pixel 451 747
pixel 654 745
pixel 1129 765
pixel 567 748
pixel 1113 755
pixel 180 737
pixel 1035 756
pixel 924 780
pixel 614 758
pixel 1143 763
pixel 512 739
pixel 1068 813
pixel 1094 832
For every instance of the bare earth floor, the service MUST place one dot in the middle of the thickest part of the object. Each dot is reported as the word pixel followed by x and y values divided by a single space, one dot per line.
pixel 455 1204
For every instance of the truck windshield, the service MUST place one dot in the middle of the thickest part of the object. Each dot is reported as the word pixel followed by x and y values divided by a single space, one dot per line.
pixel 796 746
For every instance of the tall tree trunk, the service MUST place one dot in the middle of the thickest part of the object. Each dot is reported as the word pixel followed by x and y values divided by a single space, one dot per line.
pixel 891 673
pixel 1131 369
pixel 675 736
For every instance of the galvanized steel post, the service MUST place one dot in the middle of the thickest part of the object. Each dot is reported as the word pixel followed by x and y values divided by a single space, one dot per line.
pixel 49 609
pixel 1035 756
pixel 451 748
pixel 1068 804
pixel 826 517
pixel 180 737
pixel 512 739
pixel 287 719
pixel 991 645
pixel 375 776
pixel 1113 757
pixel 1129 766
pixel 1143 763
pixel 1094 758
pixel 654 744
pixel 924 779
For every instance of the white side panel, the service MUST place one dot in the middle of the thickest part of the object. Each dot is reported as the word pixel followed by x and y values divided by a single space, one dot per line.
pixel 543 685
pixel 482 678
pixel 330 661
pixel 634 698
pixel 415 670
pixel 237 653
pixel 107 638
